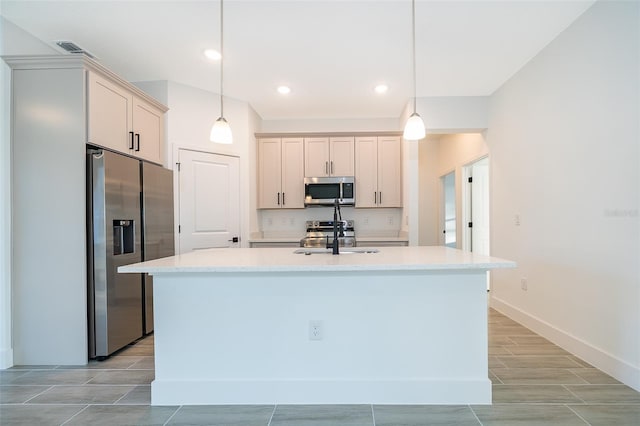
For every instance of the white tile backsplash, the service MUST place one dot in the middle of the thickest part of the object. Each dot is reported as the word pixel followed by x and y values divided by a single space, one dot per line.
pixel 385 222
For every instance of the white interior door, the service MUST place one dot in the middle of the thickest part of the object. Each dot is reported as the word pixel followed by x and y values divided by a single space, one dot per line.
pixel 477 210
pixel 480 207
pixel 209 200
pixel 449 218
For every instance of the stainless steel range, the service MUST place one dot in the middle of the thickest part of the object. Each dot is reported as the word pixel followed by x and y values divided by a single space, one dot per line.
pixel 320 234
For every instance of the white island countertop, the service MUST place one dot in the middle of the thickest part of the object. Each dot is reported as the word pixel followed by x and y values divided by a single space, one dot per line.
pixel 285 259
pixel 384 325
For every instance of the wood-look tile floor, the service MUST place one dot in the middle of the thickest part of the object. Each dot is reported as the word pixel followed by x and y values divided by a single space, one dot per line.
pixel 534 383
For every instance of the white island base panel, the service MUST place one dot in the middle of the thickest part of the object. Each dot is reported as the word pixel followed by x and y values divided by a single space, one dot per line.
pixel 388 337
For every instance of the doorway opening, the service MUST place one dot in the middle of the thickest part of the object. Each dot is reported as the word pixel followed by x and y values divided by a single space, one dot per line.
pixel 475 200
pixel 448 214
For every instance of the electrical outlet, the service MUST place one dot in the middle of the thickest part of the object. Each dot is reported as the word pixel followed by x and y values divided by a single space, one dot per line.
pixel 516 220
pixel 292 221
pixel 390 220
pixel 315 330
pixel 270 221
pixel 523 283
pixel 366 220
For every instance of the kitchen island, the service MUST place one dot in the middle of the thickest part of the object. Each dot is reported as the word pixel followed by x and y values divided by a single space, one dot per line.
pixel 405 325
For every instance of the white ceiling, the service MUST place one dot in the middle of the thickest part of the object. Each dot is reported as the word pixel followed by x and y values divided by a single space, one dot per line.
pixel 331 53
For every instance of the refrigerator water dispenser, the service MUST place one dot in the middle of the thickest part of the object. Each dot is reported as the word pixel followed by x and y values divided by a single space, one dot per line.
pixel 123 237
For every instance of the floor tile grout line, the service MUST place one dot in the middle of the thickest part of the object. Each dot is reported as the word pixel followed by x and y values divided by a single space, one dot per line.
pixel 475 414
pixel 133 387
pixel 71 418
pixel 577 414
pixel 275 406
pixel 172 415
pixel 373 415
pixel 35 396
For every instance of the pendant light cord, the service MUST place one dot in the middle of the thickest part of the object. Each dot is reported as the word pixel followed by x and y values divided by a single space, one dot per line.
pixel 413 32
pixel 221 60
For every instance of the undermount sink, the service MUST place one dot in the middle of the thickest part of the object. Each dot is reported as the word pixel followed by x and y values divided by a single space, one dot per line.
pixel 343 250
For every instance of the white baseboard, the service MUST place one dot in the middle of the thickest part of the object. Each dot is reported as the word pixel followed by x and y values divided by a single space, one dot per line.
pixel 599 358
pixel 312 391
pixel 6 358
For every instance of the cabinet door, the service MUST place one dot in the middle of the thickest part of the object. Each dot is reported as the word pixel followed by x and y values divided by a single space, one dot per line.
pixel 293 173
pixel 269 173
pixel 148 125
pixel 389 172
pixel 316 157
pixel 366 171
pixel 109 115
pixel 342 151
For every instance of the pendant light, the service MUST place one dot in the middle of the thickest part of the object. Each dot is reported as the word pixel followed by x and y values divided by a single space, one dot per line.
pixel 221 132
pixel 414 127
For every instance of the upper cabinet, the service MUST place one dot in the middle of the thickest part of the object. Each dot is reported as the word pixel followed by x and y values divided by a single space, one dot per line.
pixel 148 131
pixel 378 171
pixel 324 156
pixel 121 120
pixel 280 173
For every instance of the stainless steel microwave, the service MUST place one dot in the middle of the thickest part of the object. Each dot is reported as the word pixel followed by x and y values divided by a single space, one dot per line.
pixel 323 191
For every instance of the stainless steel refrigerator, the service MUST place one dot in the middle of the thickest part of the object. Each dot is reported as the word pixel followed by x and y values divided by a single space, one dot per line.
pixel 158 226
pixel 129 203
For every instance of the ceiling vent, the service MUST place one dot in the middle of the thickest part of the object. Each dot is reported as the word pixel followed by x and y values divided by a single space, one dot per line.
pixel 71 47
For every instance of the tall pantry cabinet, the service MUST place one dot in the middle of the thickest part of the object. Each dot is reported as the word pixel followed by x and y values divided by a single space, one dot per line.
pixel 54 116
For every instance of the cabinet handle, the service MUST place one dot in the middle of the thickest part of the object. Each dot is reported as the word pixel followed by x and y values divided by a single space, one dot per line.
pixel 375 197
pixel 137 142
pixel 283 203
pixel 326 167
pixel 278 198
pixel 131 140
pixel 380 197
pixel 332 167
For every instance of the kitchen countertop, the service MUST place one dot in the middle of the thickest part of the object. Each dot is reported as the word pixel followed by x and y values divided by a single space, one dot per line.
pixel 382 321
pixel 284 259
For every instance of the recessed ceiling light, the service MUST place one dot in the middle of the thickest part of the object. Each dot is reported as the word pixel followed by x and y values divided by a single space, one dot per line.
pixel 381 88
pixel 212 54
pixel 284 90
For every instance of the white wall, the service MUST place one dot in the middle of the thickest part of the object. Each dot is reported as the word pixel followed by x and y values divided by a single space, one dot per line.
pixel 563 138
pixel 438 156
pixel 191 114
pixel 331 125
pixel 458 114
pixel 15 41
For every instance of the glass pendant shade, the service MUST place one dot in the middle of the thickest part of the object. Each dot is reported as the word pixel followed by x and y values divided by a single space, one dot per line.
pixel 221 132
pixel 414 128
